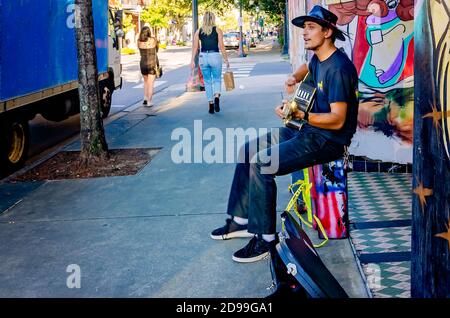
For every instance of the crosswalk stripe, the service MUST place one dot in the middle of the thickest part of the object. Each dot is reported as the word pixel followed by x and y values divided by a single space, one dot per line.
pixel 240 70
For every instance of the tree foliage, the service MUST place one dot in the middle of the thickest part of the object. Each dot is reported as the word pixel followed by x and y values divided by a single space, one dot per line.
pixel 218 7
pixel 156 15
pixel 127 23
pixel 175 13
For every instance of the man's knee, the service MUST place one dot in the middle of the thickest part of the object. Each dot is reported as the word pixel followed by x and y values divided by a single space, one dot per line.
pixel 262 163
pixel 247 151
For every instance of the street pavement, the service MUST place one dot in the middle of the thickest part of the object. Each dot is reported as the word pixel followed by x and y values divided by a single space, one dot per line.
pixel 147 235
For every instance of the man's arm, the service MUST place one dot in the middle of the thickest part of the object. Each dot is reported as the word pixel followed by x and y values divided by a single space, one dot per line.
pixel 334 120
pixel 295 78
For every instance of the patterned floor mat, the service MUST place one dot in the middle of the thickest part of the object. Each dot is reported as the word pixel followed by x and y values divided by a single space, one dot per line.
pixel 387 280
pixel 382 240
pixel 379 207
pixel 379 196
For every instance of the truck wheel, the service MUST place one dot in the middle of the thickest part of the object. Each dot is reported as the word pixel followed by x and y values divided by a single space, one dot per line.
pixel 15 139
pixel 105 100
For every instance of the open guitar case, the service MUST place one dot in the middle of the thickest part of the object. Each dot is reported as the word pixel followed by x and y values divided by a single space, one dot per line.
pixel 296 268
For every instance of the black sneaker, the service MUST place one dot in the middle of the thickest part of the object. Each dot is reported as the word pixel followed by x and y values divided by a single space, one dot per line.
pixel 230 230
pixel 217 104
pixel 144 103
pixel 257 249
pixel 211 108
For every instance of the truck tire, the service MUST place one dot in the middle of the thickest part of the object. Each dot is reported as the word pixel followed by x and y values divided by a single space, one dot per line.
pixel 60 107
pixel 14 143
pixel 105 99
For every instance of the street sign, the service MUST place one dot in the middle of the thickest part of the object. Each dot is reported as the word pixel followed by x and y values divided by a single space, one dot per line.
pixel 240 21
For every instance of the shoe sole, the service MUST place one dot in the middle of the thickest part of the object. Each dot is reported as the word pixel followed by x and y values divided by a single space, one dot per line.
pixel 236 234
pixel 251 259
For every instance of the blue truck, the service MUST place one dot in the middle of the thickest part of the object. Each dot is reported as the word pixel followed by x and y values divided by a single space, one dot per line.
pixel 39 67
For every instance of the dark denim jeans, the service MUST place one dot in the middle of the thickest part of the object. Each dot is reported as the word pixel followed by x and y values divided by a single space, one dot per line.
pixel 253 191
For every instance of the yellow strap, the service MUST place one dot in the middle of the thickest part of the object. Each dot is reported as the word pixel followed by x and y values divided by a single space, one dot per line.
pixel 322 230
pixel 304 187
pixel 307 194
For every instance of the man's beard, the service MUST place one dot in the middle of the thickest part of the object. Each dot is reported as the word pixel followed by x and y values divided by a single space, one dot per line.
pixel 312 47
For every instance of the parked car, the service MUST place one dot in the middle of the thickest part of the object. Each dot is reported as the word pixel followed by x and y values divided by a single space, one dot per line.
pixel 231 40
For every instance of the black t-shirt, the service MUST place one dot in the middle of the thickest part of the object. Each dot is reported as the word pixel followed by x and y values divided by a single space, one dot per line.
pixel 209 42
pixel 336 80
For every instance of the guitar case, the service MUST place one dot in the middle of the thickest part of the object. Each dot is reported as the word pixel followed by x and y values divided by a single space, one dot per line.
pixel 296 268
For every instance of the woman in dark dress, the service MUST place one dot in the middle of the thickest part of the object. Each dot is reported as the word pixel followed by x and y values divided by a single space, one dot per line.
pixel 148 47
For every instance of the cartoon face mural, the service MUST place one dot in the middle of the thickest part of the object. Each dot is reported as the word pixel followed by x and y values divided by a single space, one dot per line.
pixel 381 46
pixel 386 34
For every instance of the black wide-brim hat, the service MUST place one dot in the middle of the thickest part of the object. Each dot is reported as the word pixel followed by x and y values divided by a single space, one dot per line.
pixel 321 16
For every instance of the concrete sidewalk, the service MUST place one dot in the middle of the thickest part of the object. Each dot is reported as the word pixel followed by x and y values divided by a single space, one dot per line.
pixel 147 235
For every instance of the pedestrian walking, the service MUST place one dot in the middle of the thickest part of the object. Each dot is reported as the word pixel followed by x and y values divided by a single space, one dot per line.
pixel 148 48
pixel 210 39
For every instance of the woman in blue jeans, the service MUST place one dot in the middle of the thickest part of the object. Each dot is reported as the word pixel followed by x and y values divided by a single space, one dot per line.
pixel 210 38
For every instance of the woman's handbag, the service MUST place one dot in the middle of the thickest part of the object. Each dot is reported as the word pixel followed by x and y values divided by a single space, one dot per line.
pixel 158 68
pixel 228 79
pixel 158 71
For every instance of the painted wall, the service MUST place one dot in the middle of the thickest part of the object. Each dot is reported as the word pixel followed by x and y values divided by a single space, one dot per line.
pixel 297 52
pixel 430 239
pixel 437 16
pixel 381 45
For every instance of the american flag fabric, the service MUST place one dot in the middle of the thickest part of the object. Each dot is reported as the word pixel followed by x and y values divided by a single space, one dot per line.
pixel 329 197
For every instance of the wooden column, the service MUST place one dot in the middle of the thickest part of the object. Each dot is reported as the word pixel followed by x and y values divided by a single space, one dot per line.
pixel 430 263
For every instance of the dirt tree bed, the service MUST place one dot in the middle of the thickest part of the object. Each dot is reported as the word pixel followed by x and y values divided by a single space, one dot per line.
pixel 66 165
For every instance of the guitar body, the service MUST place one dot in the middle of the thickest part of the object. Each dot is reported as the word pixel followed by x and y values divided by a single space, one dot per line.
pixel 303 100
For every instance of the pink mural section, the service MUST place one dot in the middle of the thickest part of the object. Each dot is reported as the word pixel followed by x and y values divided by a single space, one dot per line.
pixel 380 43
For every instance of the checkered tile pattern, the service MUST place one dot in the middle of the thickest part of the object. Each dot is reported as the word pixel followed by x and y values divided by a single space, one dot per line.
pixel 379 196
pixel 387 280
pixel 382 240
pixel 382 197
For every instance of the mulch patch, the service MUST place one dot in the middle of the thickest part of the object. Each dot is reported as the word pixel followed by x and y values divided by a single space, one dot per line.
pixel 66 165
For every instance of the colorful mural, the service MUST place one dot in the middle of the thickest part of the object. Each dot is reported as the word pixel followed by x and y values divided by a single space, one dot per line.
pixel 381 45
pixel 430 235
pixel 440 24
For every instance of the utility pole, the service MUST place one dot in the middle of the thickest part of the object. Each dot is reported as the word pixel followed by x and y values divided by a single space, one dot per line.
pixel 286 29
pixel 194 83
pixel 194 17
pixel 241 35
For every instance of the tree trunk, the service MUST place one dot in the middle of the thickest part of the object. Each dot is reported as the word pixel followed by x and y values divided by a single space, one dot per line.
pixel 93 142
pixel 430 257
